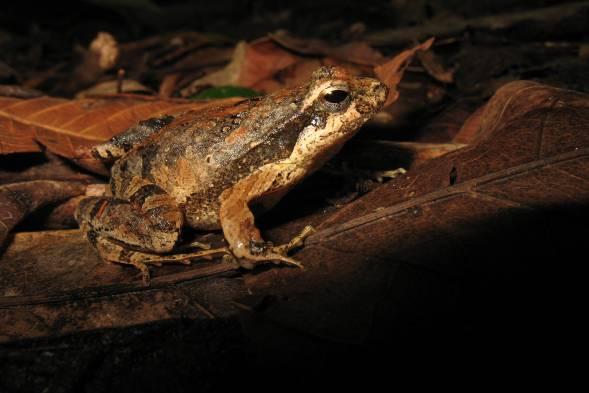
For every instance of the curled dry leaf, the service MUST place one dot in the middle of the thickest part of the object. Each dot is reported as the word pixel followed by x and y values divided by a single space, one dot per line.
pixel 471 127
pixel 434 66
pixel 391 72
pixel 17 200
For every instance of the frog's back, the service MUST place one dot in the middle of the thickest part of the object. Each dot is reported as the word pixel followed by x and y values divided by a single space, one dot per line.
pixel 175 158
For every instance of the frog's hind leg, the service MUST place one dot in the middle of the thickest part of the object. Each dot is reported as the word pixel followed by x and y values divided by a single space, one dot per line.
pixel 111 251
pixel 149 221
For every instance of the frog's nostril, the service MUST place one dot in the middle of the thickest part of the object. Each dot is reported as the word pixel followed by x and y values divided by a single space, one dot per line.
pixel 380 90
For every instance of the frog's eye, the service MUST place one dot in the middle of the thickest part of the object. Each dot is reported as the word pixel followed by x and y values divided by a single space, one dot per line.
pixel 336 99
pixel 336 96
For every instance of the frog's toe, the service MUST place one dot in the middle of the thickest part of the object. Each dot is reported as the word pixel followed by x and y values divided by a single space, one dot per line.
pixel 280 259
pixel 295 242
pixel 144 274
pixel 273 257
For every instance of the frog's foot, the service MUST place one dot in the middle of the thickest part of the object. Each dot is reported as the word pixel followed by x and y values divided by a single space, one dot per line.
pixel 114 252
pixel 260 252
pixel 184 258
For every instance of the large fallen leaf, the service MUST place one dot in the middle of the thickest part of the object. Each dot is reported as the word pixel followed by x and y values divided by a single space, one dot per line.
pixel 480 233
pixel 472 234
pixel 63 126
pixel 58 275
pixel 17 168
pixel 17 200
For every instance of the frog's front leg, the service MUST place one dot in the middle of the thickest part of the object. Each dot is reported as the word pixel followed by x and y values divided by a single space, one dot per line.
pixel 239 229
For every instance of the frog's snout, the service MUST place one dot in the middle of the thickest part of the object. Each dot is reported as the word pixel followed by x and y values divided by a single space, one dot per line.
pixel 375 94
pixel 380 91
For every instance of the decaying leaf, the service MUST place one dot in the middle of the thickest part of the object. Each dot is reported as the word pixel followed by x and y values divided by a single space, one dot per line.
pixel 471 127
pixel 251 64
pixel 63 215
pixel 357 52
pixel 398 154
pixel 434 66
pixel 112 87
pixel 48 276
pixel 447 125
pixel 391 72
pixel 17 168
pixel 64 126
pixel 17 200
pixel 16 91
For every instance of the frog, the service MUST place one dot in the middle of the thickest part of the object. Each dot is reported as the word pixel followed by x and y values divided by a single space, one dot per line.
pixel 216 169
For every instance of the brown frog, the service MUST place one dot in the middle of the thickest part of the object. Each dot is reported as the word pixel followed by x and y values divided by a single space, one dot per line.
pixel 205 169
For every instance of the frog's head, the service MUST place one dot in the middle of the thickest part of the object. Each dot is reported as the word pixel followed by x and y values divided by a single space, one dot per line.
pixel 304 125
pixel 338 104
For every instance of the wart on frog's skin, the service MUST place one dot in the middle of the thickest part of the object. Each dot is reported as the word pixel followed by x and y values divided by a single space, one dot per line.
pixel 204 169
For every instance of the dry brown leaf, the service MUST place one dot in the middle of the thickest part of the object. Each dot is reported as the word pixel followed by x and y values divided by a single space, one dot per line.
pixel 470 128
pixel 407 155
pixel 434 66
pixel 263 59
pixel 112 87
pixel 227 76
pixel 391 72
pixel 16 91
pixel 168 85
pixel 265 65
pixel 357 52
pixel 251 64
pixel 17 200
pixel 53 265
pixel 17 168
pixel 64 126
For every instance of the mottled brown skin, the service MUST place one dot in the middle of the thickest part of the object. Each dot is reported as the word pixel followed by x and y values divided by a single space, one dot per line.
pixel 206 169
